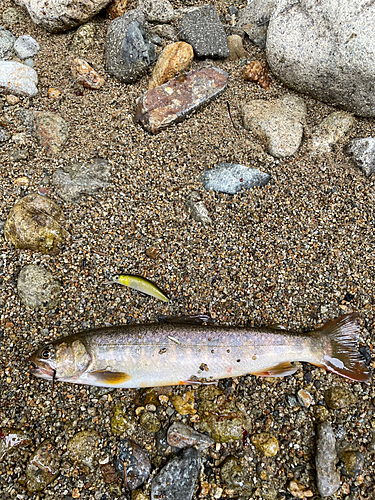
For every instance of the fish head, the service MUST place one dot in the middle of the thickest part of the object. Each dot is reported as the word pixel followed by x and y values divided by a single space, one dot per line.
pixel 63 360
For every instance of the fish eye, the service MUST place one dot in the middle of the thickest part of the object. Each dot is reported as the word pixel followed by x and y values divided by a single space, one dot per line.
pixel 116 277
pixel 46 353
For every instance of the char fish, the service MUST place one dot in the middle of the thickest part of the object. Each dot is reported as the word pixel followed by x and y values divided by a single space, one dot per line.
pixel 151 355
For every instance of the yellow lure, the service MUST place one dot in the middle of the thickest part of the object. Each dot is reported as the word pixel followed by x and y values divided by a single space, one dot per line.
pixel 140 284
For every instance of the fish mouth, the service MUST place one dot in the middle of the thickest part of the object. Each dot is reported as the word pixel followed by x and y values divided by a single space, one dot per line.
pixel 41 371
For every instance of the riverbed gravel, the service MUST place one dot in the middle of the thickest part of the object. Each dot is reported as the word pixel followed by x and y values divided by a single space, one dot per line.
pixel 298 252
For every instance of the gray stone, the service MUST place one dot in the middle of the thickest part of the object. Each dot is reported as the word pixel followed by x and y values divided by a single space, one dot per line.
pixel 61 15
pixel 26 47
pixel 128 51
pixel 181 436
pixel 7 40
pixel 157 10
pixel 230 178
pixel 3 135
pixel 74 181
pixel 37 288
pixel 332 130
pixel 197 208
pixel 202 28
pixel 254 19
pixel 176 481
pixel 173 101
pixel 326 49
pixel 135 461
pixel 363 153
pixel 328 479
pixel 279 123
pixel 18 79
pixel 82 447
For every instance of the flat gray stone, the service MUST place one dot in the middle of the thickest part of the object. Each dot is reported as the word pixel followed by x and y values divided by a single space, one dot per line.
pixel 202 28
pixel 7 40
pixel 26 47
pixel 279 123
pixel 176 481
pixel 363 154
pixel 18 79
pixel 128 52
pixel 230 178
pixel 326 49
pixel 327 477
pixel 72 182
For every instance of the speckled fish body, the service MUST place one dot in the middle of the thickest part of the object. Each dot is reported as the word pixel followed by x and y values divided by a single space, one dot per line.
pixel 171 354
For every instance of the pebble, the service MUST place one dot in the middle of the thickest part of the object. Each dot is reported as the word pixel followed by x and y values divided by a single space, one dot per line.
pixel 220 417
pixel 128 51
pixel 298 490
pixel 338 397
pixel 363 154
pixel 85 74
pixel 258 71
pixel 117 8
pixel 332 129
pixel 42 468
pixel 3 135
pixel 7 40
pixel 328 479
pixel 73 182
pixel 54 93
pixel 157 10
pixel 36 223
pixel 51 130
pixel 172 102
pixel 37 288
pixel 61 15
pixel 121 421
pixel 305 398
pixel 176 481
pixel 12 100
pixel 202 28
pixel 84 39
pixel 185 404
pixel 265 443
pixel 162 446
pixel 279 123
pixel 353 462
pixel 18 79
pixel 321 412
pixel 197 209
pixel 176 57
pixel 82 447
pixel 231 178
pixel 235 477
pixel 236 48
pixel 150 422
pixel 135 461
pixel 11 439
pixel 26 47
pixel 181 435
pixel 13 16
pixel 165 31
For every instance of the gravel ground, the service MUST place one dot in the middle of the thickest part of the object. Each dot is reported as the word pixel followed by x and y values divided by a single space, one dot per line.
pixel 286 253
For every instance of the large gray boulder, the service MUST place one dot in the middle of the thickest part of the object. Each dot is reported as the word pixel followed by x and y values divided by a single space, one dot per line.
pixel 325 48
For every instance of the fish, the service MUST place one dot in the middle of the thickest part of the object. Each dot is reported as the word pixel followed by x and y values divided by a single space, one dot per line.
pixel 167 354
pixel 141 284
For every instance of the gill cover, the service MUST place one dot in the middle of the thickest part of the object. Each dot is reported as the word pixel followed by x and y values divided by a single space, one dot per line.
pixel 71 359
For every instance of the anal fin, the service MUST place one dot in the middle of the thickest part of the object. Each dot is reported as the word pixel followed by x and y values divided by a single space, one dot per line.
pixel 110 378
pixel 280 370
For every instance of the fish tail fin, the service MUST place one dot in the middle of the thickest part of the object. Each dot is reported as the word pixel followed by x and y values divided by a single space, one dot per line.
pixel 340 338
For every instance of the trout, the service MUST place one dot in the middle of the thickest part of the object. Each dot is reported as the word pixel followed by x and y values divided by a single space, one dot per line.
pixel 152 355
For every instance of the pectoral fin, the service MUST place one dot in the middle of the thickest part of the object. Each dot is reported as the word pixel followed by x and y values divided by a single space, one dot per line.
pixel 280 370
pixel 109 377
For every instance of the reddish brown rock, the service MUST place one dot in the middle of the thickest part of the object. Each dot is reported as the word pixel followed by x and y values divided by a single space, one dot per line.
pixel 172 102
pixel 258 71
pixel 86 75
pixel 117 8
